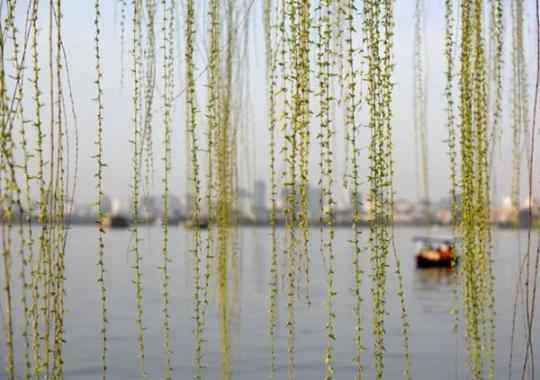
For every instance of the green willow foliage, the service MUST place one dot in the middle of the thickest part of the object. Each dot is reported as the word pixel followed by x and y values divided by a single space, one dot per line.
pixel 137 142
pixel 520 101
pixel 100 193
pixel 420 104
pixel 477 279
pixel 496 31
pixel 213 113
pixel 449 54
pixel 191 121
pixel 329 65
pixel 123 6
pixel 41 275
pixel 167 47
pixel 531 266
pixel 326 68
pixel 26 236
pixel 450 104
pixel 271 67
pixel 352 102
pixel 378 29
pixel 226 167
pixel 292 123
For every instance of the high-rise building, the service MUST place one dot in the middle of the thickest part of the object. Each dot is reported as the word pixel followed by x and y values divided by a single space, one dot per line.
pixel 106 205
pixel 259 205
pixel 359 201
pixel 314 202
pixel 259 195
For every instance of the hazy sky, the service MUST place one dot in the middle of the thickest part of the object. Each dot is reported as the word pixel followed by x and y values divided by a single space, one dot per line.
pixel 78 35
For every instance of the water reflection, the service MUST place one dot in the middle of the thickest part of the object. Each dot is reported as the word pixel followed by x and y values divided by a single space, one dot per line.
pixel 239 288
pixel 434 278
pixel 432 288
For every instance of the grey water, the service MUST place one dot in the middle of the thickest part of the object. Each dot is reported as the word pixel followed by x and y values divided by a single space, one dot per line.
pixel 437 352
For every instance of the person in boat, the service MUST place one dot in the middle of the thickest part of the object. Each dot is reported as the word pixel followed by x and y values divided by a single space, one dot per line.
pixel 445 251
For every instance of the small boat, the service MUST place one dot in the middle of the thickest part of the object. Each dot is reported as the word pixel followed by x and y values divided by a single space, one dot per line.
pixel 435 253
pixel 119 221
pixel 115 221
pixel 202 224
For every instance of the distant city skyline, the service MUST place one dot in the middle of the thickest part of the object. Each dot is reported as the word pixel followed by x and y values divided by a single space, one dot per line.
pixel 254 208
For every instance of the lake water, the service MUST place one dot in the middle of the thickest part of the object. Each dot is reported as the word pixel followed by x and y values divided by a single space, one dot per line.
pixel 437 353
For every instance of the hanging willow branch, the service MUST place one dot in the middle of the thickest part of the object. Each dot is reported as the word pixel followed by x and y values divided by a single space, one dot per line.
pixel 147 153
pixel 352 104
pixel 191 121
pixel 477 277
pixel 59 199
pixel 226 171
pixel 271 73
pixel 326 62
pixel 291 128
pixel 378 26
pixel 123 6
pixel 37 269
pixel 302 116
pixel 213 113
pixel 497 38
pixel 25 234
pixel 520 101
pixel 136 163
pixel 100 194
pixel 420 106
pixel 532 273
pixel 167 30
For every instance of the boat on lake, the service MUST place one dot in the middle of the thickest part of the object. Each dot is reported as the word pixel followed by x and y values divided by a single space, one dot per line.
pixel 435 252
pixel 116 221
pixel 201 223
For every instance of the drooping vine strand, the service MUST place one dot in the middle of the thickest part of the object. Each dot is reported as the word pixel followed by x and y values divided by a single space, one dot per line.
pixel 449 52
pixel 137 122
pixel 520 112
pixel 532 269
pixel 48 280
pixel 378 247
pixel 226 179
pixel 494 122
pixel 167 30
pixel 191 122
pixel 450 108
pixel 388 59
pixel 123 6
pixel 36 273
pixel 11 198
pixel 149 81
pixel 59 198
pixel 496 17
pixel 326 62
pixel 378 26
pixel 352 101
pixel 213 114
pixel 520 102
pixel 100 163
pixel 291 108
pixel 302 114
pixel 420 107
pixel 23 202
pixel 478 304
pixel 271 68
pixel 6 202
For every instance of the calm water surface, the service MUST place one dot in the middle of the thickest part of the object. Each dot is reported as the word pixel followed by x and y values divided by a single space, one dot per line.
pixel 437 353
